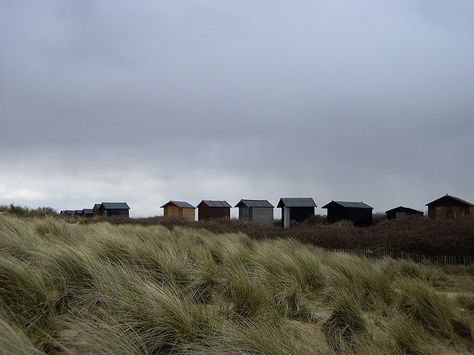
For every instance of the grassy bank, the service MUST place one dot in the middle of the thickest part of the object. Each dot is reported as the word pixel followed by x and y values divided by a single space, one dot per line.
pixel 131 289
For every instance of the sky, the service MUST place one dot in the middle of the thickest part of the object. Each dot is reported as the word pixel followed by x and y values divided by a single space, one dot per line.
pixel 150 101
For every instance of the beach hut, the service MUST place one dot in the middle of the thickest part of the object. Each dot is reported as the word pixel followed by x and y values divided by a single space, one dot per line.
pixel 208 209
pixel 87 212
pixel 401 212
pixel 95 210
pixel 114 209
pixel 449 207
pixel 359 213
pixel 295 209
pixel 259 211
pixel 179 210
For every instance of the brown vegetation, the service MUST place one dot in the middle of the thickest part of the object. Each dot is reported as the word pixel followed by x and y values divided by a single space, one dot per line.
pixel 417 235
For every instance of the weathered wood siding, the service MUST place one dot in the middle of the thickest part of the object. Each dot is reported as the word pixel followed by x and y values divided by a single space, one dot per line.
pixel 402 214
pixel 175 212
pixel 189 214
pixel 261 215
pixel 205 212
pixel 244 213
pixel 172 212
pixel 448 211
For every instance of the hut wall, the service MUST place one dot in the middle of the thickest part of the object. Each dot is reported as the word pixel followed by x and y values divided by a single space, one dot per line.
pixel 172 211
pixel 299 214
pixel 116 213
pixel 188 214
pixel 336 213
pixel 360 216
pixel 447 211
pixel 402 214
pixel 399 215
pixel 393 215
pixel 205 212
pixel 97 212
pixel 244 213
pixel 261 215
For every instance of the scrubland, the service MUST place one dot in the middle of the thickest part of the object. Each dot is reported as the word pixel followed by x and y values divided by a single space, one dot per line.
pixel 71 288
pixel 415 235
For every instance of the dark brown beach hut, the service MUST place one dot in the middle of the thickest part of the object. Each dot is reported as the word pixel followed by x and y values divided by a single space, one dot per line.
pixel 402 212
pixel 208 209
pixel 449 207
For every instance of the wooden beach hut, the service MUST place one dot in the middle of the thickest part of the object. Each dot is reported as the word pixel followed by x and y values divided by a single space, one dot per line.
pixel 208 209
pixel 402 212
pixel 179 210
pixel 449 207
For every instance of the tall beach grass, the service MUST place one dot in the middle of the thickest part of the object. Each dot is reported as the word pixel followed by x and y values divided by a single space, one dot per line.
pixel 69 288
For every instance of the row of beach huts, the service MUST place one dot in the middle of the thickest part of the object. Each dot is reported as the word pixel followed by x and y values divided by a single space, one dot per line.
pixel 293 210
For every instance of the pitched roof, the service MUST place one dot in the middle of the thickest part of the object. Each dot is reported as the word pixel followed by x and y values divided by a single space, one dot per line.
pixel 403 209
pixel 254 203
pixel 180 204
pixel 457 199
pixel 296 202
pixel 347 204
pixel 87 210
pixel 115 205
pixel 212 204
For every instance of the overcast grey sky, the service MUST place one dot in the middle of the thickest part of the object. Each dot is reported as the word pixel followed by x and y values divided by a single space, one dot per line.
pixel 147 101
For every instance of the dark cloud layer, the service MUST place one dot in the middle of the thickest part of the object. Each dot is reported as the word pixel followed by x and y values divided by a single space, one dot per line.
pixel 156 100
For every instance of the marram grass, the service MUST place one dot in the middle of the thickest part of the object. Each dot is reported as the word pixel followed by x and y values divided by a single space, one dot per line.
pixel 104 289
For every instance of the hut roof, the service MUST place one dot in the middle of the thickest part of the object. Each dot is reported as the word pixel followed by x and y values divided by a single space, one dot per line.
pixel 449 197
pixel 296 202
pixel 87 210
pixel 403 209
pixel 180 204
pixel 67 211
pixel 347 204
pixel 215 204
pixel 115 205
pixel 254 203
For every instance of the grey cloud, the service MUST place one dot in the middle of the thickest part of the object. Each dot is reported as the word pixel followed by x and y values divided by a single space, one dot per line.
pixel 368 101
